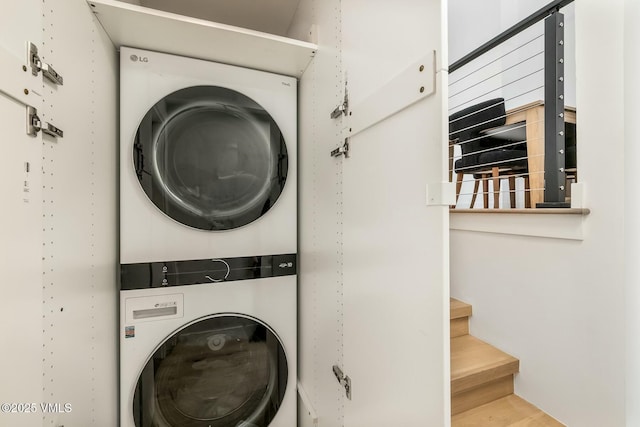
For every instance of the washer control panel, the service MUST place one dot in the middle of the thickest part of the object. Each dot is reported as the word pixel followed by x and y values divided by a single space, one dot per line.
pixel 165 274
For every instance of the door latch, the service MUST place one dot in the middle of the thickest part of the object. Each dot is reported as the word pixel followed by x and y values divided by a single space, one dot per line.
pixel 344 381
pixel 37 65
pixel 35 125
pixel 343 150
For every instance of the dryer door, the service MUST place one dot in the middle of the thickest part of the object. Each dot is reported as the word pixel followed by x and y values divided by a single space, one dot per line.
pixel 210 158
pixel 224 371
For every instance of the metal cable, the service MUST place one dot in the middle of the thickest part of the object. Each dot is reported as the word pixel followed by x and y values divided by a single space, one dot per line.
pixel 518 175
pixel 497 59
pixel 524 93
pixel 497 133
pixel 475 112
pixel 505 116
pixel 497 163
pixel 498 88
pixel 491 192
pixel 496 74
pixel 497 103
pixel 513 144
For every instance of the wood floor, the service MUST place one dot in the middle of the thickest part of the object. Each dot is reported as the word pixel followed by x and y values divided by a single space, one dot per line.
pixel 482 381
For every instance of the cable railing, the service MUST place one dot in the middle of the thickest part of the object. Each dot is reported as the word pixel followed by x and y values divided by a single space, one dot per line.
pixel 507 118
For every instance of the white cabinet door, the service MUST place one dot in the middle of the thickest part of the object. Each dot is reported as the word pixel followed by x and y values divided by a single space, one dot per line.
pixel 20 220
pixel 395 246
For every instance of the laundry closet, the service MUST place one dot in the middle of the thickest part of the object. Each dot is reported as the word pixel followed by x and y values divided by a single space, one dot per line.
pixel 307 286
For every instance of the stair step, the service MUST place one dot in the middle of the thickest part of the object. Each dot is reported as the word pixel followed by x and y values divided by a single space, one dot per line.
pixel 459 313
pixel 482 381
pixel 509 411
pixel 458 327
pixel 458 309
pixel 484 393
pixel 474 362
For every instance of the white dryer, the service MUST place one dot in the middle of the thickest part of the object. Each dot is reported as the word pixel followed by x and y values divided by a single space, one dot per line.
pixel 209 355
pixel 207 159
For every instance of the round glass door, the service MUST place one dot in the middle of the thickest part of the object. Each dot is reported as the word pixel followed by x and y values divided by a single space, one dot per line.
pixel 210 158
pixel 226 371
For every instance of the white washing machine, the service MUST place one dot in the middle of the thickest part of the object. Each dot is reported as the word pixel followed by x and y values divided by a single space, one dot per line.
pixel 210 355
pixel 207 159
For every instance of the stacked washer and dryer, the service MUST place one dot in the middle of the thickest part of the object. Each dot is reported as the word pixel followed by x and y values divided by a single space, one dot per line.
pixel 208 240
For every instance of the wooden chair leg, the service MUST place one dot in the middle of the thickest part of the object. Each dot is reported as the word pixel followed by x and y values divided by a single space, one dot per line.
pixel 527 192
pixel 495 173
pixel 459 177
pixel 512 191
pixel 476 184
pixel 485 191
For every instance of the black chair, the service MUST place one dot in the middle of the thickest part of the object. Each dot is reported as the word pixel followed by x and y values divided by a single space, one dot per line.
pixel 488 153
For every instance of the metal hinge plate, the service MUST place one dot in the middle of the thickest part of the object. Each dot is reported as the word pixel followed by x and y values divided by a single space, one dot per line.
pixel 343 108
pixel 344 381
pixel 37 65
pixel 343 150
pixel 35 125
pixel 33 121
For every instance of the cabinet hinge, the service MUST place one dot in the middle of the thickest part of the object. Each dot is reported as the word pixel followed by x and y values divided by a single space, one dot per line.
pixel 343 108
pixel 35 125
pixel 37 65
pixel 343 150
pixel 344 381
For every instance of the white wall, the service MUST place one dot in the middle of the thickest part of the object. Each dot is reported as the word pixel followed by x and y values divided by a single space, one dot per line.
pixel 559 305
pixel 471 23
pixel 632 207
pixel 482 20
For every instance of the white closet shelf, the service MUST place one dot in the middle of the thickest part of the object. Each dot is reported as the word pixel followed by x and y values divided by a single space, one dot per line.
pixel 150 29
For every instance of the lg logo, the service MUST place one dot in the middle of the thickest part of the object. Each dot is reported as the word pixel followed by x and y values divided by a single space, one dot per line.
pixel 136 58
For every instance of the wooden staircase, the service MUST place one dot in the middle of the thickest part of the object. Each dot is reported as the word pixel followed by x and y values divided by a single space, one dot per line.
pixel 482 381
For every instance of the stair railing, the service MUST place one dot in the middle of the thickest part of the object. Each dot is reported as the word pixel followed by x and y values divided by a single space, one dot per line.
pixel 532 77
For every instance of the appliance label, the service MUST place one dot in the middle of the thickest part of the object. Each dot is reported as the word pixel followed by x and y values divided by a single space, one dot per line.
pixel 129 331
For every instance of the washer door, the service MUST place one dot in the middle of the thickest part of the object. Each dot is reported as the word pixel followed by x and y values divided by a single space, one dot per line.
pixel 210 158
pixel 226 371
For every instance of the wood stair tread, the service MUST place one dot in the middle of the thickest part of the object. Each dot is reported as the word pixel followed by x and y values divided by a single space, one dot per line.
pixel 474 362
pixel 459 313
pixel 458 309
pixel 482 381
pixel 509 411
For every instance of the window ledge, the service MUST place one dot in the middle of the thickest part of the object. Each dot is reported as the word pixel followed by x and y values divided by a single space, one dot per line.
pixel 547 223
pixel 542 211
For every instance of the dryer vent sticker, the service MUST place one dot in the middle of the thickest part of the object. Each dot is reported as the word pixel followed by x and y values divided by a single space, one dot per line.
pixel 129 331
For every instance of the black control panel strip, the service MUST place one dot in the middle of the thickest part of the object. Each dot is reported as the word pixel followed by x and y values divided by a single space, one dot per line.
pixel 213 270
